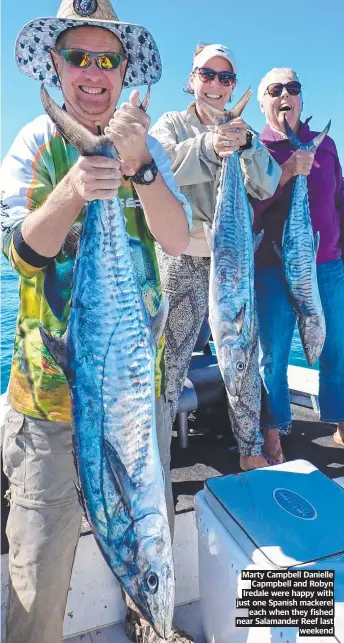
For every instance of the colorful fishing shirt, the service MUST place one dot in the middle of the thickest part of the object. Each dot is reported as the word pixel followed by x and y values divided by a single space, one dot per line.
pixel 38 159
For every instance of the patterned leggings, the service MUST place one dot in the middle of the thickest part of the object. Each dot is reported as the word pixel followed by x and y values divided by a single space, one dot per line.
pixel 185 282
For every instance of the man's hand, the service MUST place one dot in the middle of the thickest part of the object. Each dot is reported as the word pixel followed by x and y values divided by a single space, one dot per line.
pixel 300 162
pixel 228 137
pixel 128 131
pixel 96 177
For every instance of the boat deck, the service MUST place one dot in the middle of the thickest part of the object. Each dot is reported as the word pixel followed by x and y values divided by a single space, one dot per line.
pixel 187 617
pixel 211 452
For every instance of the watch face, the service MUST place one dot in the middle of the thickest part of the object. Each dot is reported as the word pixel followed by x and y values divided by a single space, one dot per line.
pixel 148 176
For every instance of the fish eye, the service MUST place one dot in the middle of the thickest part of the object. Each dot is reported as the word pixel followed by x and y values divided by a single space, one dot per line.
pixel 307 348
pixel 240 366
pixel 152 582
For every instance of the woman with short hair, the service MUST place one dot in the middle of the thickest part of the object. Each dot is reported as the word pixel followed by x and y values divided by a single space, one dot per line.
pixel 280 96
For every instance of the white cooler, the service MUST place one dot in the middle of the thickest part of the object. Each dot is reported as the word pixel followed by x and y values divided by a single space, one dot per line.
pixel 290 516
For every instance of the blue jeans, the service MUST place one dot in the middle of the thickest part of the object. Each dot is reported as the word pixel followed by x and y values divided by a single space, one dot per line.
pixel 276 320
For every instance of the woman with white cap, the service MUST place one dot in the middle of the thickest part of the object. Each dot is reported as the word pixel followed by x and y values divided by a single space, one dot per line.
pixel 280 96
pixel 196 149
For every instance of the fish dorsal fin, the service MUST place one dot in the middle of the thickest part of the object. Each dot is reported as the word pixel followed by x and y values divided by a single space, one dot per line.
pixel 82 139
pixel 277 249
pixel 316 242
pixel 257 239
pixel 209 236
pixel 296 144
pixel 159 321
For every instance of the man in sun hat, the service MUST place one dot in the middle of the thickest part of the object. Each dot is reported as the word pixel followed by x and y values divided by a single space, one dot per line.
pixel 91 55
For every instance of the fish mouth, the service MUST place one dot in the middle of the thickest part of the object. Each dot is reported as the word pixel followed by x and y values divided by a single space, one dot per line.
pixel 94 91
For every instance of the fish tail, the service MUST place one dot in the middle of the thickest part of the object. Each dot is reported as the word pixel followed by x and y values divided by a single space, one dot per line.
pixel 293 139
pixel 313 145
pixel 82 139
pixel 145 102
pixel 241 104
pixel 218 116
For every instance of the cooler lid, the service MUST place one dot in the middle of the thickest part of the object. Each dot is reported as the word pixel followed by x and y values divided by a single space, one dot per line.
pixel 291 512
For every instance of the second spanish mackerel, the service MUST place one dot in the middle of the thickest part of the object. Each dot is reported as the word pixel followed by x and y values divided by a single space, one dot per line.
pixel 231 287
pixel 299 251
pixel 111 372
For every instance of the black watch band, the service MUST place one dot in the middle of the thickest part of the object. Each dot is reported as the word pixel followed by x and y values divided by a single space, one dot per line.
pixel 145 175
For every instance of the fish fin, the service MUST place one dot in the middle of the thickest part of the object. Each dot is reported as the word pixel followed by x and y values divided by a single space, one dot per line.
pixel 159 320
pixel 57 347
pixel 82 139
pixel 313 145
pixel 239 319
pixel 257 240
pixel 316 242
pixel 293 139
pixel 278 249
pixel 229 336
pixel 240 106
pixel 209 236
pixel 218 116
pixel 120 474
pixel 146 100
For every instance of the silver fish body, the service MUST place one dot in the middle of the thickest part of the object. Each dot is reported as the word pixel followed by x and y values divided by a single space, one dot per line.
pixel 111 347
pixel 231 287
pixel 299 251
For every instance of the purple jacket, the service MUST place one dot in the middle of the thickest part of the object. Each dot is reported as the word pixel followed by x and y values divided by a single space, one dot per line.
pixel 326 199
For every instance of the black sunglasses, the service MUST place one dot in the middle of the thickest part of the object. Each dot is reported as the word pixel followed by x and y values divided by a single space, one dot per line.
pixel 206 75
pixel 275 89
pixel 81 58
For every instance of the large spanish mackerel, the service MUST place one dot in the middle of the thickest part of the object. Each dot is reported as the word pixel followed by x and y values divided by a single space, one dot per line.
pixel 111 359
pixel 299 251
pixel 231 287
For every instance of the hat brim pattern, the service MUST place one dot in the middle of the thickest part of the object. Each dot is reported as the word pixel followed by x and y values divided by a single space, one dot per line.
pixel 33 45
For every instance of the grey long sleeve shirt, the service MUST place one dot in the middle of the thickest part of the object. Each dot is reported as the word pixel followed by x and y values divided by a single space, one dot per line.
pixel 196 168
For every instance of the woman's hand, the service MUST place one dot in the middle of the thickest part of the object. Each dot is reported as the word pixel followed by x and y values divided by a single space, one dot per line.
pixel 300 162
pixel 229 137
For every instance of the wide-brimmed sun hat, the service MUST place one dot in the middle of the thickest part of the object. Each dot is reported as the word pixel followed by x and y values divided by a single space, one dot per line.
pixel 39 36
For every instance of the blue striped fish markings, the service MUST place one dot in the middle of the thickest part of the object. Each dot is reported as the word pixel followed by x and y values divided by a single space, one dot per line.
pixel 298 254
pixel 231 287
pixel 110 366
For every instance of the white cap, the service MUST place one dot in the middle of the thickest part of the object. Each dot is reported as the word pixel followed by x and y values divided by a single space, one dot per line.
pixel 210 51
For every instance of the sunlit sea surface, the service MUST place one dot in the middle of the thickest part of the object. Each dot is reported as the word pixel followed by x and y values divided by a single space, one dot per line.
pixel 9 308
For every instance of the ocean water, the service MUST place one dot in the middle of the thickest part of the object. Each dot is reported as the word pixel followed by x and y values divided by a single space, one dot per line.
pixel 9 309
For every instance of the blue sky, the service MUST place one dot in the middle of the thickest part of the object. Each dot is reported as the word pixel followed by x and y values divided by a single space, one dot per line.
pixel 304 34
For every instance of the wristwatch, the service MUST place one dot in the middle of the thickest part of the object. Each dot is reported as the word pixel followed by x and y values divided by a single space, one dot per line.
pixel 146 174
